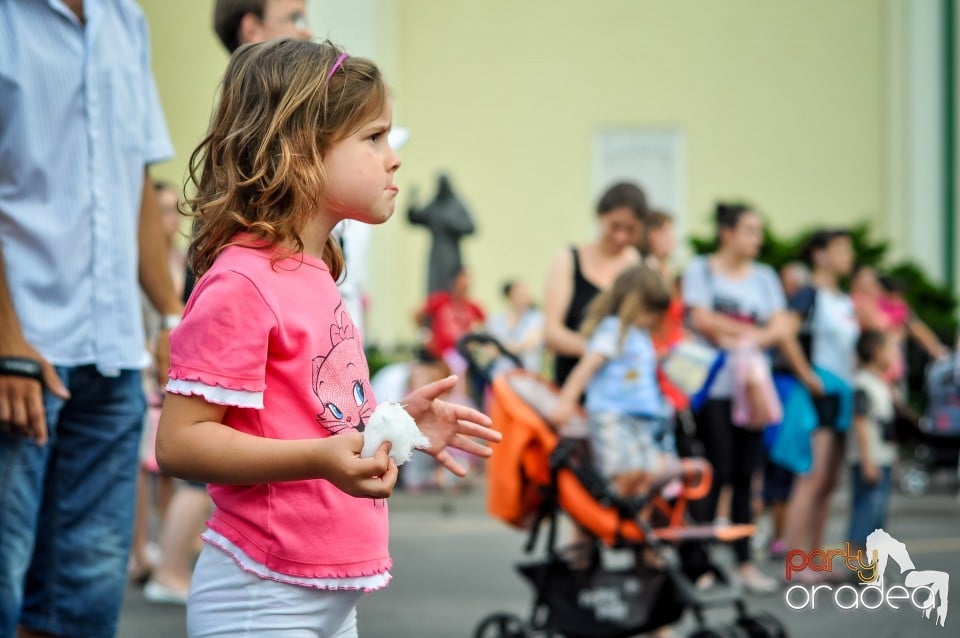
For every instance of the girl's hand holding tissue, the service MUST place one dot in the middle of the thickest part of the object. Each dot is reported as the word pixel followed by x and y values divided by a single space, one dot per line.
pixel 342 465
pixel 449 425
pixel 390 422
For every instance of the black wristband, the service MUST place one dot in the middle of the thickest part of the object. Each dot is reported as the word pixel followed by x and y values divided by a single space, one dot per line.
pixel 21 367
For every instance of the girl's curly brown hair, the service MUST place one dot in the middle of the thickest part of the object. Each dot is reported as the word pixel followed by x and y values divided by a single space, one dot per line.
pixel 260 168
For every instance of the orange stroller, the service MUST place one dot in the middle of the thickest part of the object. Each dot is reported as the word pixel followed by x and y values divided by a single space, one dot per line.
pixel 535 475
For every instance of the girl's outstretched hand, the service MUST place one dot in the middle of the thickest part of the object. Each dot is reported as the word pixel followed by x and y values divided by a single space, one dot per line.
pixel 449 425
pixel 342 465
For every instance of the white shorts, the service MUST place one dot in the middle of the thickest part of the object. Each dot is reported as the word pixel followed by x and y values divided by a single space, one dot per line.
pixel 226 601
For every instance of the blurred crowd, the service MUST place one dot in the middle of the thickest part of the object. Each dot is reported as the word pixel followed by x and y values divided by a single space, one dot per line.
pixel 831 335
pixel 807 378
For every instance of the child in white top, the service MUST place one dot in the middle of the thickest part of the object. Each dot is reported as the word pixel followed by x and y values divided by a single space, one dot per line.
pixel 872 451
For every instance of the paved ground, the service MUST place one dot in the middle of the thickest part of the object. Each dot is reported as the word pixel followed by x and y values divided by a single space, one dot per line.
pixel 454 565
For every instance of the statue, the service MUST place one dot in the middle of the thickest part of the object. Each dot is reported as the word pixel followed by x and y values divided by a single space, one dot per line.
pixel 448 220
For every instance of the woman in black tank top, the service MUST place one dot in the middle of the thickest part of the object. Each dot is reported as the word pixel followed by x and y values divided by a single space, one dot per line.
pixel 584 292
pixel 621 211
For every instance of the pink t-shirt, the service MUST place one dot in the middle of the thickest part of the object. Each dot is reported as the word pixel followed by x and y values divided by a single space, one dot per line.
pixel 274 343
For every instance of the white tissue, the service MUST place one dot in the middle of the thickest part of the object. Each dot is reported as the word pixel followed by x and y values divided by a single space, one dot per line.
pixel 390 422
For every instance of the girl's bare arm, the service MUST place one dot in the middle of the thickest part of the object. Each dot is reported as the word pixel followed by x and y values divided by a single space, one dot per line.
pixel 193 443
pixel 574 387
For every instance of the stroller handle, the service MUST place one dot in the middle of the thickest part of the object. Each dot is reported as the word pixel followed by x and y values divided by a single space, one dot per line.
pixel 471 344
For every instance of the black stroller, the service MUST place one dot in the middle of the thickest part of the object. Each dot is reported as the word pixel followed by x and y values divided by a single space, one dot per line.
pixel 936 442
pixel 534 476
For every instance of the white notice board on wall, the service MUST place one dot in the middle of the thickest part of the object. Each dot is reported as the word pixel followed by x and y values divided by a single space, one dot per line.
pixel 651 157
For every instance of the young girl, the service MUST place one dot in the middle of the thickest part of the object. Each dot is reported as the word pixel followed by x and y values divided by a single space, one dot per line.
pixel 825 321
pixel 657 247
pixel 519 327
pixel 629 431
pixel 658 242
pixel 269 392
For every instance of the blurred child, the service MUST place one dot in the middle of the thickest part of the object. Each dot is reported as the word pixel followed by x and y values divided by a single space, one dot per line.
pixel 449 315
pixel 659 241
pixel 629 434
pixel 658 246
pixel 519 327
pixel 871 452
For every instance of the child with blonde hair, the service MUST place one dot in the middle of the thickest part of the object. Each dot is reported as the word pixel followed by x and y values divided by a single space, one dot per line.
pixel 269 393
pixel 630 432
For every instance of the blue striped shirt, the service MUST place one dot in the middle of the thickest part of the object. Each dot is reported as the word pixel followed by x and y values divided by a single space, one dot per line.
pixel 80 120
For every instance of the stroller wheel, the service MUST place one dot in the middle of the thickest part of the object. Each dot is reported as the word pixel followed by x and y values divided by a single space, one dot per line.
pixel 501 626
pixel 763 625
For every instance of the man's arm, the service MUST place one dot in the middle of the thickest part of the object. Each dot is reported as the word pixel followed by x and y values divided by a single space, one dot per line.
pixel 10 332
pixel 154 270
pixel 21 399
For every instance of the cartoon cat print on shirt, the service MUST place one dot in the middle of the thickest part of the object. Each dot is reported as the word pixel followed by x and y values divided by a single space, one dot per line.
pixel 340 379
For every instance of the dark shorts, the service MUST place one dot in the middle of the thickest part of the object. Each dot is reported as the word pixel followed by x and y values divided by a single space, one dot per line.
pixel 777 483
pixel 828 410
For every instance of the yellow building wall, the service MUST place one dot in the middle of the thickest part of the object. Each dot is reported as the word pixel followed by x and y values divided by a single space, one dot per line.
pixel 780 102
pixel 188 62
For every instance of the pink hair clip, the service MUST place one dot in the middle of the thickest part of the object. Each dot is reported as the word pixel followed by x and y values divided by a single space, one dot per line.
pixel 336 65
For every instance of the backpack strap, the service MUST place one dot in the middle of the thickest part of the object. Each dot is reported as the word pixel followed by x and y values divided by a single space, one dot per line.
pixel 805 335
